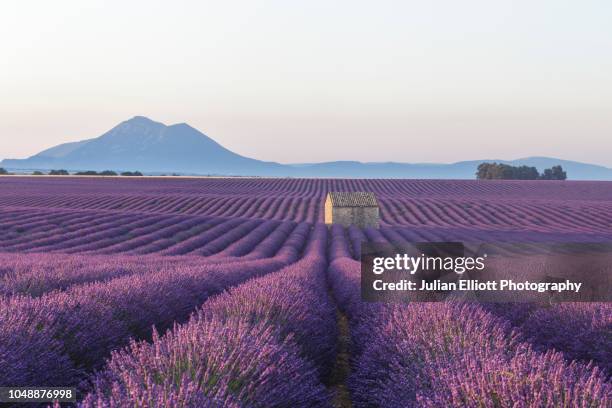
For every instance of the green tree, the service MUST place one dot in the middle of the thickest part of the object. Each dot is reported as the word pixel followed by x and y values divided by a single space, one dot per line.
pixel 558 173
pixel 554 173
pixel 482 172
pixel 526 173
pixel 500 171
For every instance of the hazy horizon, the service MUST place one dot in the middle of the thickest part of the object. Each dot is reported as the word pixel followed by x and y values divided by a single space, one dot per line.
pixel 436 82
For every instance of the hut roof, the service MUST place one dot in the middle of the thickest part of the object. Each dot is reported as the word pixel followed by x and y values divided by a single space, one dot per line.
pixel 353 199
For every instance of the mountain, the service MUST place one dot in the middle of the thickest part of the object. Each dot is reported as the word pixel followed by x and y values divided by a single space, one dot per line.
pixel 459 170
pixel 387 170
pixel 62 149
pixel 148 146
pixel 575 170
pixel 152 147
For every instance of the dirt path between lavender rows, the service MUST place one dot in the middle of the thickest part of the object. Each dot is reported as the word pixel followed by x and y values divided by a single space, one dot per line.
pixel 337 380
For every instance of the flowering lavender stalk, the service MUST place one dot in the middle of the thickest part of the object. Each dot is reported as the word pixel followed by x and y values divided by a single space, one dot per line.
pixel 84 323
pixel 453 354
pixel 581 331
pixel 265 343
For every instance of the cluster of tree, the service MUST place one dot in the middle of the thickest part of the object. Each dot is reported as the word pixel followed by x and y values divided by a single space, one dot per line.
pixel 88 173
pixel 3 172
pixel 500 171
pixel 95 173
pixel 554 173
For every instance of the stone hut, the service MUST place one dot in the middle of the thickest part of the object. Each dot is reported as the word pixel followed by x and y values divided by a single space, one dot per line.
pixel 352 208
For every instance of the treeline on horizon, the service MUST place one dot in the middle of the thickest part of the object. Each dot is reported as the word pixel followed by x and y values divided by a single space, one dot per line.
pixel 500 171
pixel 485 171
pixel 62 172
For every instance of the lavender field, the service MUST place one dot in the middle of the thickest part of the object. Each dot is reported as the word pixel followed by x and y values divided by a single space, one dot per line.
pixel 164 292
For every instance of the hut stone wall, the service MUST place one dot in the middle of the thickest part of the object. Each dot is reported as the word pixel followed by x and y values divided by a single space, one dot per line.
pixel 359 216
pixel 365 216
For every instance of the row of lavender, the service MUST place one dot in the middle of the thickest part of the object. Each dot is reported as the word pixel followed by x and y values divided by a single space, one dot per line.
pixel 137 234
pixel 581 331
pixel 545 215
pixel 579 207
pixel 37 273
pixel 458 354
pixel 270 342
pixel 79 308
pixel 71 187
pixel 85 307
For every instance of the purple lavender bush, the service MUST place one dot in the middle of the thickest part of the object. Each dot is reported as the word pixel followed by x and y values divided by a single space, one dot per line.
pixel 85 323
pixel 453 354
pixel 265 343
pixel 581 331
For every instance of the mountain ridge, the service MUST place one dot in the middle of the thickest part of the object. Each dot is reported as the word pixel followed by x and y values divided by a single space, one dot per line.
pixel 154 148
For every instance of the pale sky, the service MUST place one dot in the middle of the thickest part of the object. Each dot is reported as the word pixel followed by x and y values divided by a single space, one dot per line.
pixel 289 81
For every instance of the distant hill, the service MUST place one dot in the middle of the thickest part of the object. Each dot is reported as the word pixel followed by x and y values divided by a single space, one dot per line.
pixel 148 146
pixel 154 148
pixel 575 170
pixel 62 150
pixel 459 170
